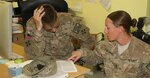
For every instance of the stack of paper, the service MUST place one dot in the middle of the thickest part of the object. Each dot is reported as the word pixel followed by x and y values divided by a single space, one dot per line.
pixel 16 28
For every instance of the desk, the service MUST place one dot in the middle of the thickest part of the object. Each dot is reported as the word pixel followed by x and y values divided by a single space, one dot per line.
pixel 20 50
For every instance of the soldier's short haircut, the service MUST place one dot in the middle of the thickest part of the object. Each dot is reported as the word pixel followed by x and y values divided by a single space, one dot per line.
pixel 50 15
pixel 122 18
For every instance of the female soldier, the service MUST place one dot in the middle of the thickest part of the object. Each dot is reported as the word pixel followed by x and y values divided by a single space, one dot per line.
pixel 124 56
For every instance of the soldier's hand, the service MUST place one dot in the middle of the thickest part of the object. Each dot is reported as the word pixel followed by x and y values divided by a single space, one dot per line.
pixel 75 56
pixel 37 16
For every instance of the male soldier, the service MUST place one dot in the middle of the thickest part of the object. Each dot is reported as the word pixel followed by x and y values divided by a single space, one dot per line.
pixel 50 33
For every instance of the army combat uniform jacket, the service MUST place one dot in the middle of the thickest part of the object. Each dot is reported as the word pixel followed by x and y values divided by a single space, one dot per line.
pixel 58 44
pixel 134 62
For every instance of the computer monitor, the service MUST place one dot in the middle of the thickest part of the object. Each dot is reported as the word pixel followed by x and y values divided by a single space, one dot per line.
pixel 6 29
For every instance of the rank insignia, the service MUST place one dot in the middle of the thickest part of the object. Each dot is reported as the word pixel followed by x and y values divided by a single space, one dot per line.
pixel 77 28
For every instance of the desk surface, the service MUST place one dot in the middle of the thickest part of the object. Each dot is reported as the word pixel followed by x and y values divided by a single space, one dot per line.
pixel 20 50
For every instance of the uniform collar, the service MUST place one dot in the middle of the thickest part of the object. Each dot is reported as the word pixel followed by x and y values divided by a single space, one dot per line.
pixel 129 53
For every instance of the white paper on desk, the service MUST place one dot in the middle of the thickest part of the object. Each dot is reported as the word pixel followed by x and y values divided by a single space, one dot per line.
pixel 63 68
pixel 59 74
pixel 67 66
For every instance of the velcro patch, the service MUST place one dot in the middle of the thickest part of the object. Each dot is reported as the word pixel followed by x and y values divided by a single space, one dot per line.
pixel 77 28
pixel 148 66
pixel 28 43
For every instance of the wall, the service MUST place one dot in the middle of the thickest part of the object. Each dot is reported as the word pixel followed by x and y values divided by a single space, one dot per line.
pixel 94 13
pixel 148 9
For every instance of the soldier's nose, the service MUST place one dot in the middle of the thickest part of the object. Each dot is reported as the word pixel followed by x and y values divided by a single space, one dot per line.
pixel 53 30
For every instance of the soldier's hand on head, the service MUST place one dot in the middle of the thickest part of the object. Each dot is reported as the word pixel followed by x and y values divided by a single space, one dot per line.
pixel 37 16
pixel 75 56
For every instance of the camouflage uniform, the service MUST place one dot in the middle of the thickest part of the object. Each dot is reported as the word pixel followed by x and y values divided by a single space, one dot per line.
pixel 58 44
pixel 134 62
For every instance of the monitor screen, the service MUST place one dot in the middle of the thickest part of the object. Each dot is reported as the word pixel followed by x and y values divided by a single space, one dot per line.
pixel 6 29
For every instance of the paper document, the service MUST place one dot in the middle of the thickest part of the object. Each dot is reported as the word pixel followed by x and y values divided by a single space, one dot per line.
pixel 67 66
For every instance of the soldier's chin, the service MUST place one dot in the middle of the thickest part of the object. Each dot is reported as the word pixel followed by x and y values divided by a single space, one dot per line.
pixel 110 40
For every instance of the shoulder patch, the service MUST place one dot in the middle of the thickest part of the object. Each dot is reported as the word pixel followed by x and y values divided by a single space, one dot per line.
pixel 27 43
pixel 28 36
pixel 148 66
pixel 77 28
pixel 83 31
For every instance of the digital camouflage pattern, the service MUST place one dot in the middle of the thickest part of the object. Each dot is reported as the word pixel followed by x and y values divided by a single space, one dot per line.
pixel 134 62
pixel 41 67
pixel 58 44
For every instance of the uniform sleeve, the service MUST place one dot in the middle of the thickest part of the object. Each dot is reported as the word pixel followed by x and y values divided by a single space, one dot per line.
pixel 81 33
pixel 92 57
pixel 34 41
pixel 145 71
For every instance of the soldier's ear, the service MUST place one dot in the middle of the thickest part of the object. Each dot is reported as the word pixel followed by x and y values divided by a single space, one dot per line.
pixel 121 29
